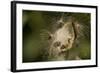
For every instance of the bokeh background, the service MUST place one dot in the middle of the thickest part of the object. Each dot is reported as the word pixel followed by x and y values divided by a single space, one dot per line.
pixel 35 21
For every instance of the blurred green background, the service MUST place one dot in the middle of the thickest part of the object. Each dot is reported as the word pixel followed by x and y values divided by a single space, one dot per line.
pixel 35 21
